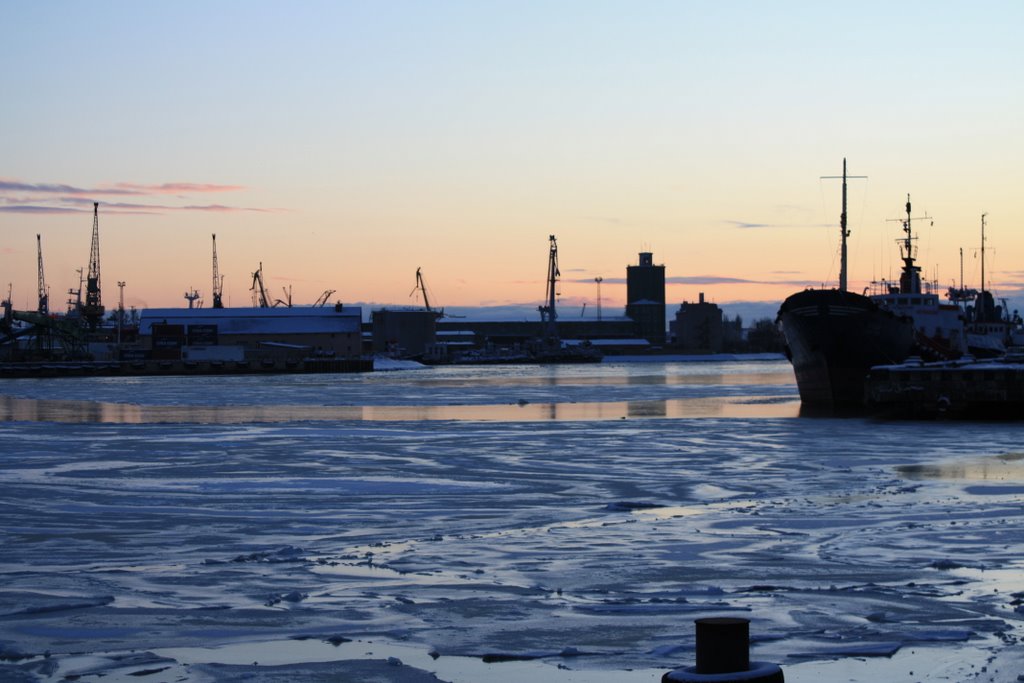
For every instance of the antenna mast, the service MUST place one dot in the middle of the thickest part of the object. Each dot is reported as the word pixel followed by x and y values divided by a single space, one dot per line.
pixel 218 279
pixel 44 297
pixel 192 296
pixel 93 311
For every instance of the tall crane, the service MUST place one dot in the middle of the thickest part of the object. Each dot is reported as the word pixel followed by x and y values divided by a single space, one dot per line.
pixel 75 304
pixel 93 309
pixel 322 300
pixel 258 290
pixel 287 300
pixel 218 279
pixel 548 316
pixel 44 296
pixel 421 286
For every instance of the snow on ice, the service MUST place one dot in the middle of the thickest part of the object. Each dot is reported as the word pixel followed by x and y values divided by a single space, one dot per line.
pixel 551 523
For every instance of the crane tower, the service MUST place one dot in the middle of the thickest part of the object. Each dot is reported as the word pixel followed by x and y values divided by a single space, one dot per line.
pixel 548 316
pixel 218 279
pixel 93 309
pixel 44 297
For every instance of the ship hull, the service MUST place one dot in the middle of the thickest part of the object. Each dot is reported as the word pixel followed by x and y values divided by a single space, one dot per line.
pixel 834 338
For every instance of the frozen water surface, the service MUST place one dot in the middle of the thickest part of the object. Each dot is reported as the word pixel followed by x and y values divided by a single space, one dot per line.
pixel 551 523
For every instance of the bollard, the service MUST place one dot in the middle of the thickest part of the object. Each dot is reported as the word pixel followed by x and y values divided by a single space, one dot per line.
pixel 723 656
pixel 723 645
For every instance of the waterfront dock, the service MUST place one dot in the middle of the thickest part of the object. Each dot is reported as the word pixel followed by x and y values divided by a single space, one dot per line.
pixel 966 388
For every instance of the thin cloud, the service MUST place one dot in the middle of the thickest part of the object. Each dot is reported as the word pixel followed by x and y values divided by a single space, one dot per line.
pixel 719 280
pixel 709 280
pixel 704 280
pixel 123 207
pixel 7 185
pixel 604 280
pixel 178 188
pixel 17 196
pixel 33 209
pixel 134 189
pixel 748 225
pixel 65 199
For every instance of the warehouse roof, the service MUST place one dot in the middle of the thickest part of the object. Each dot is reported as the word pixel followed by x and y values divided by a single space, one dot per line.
pixel 295 320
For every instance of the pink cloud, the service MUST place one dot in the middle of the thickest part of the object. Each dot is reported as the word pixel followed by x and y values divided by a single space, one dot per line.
pixel 56 198
pixel 178 188
pixel 32 208
pixel 11 185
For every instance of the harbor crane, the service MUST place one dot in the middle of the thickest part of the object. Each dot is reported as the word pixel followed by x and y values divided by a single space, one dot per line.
pixel 421 286
pixel 218 279
pixel 548 315
pixel 259 292
pixel 75 304
pixel 287 301
pixel 93 309
pixel 322 300
pixel 44 297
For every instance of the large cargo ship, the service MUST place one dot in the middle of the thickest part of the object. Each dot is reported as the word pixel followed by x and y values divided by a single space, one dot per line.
pixel 834 336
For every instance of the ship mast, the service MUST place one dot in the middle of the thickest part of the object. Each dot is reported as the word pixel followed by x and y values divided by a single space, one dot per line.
pixel 910 278
pixel 982 299
pixel 843 231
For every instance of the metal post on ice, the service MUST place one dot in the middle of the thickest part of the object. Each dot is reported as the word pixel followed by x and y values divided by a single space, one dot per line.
pixel 723 656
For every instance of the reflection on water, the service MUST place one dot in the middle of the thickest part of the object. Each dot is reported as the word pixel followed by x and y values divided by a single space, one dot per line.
pixel 49 410
pixel 601 391
pixel 1006 467
pixel 608 377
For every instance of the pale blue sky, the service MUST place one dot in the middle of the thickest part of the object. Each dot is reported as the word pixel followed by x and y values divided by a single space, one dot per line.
pixel 376 137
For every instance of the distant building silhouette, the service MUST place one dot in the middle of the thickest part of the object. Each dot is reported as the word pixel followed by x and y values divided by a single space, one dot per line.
pixel 698 327
pixel 645 298
pixel 402 333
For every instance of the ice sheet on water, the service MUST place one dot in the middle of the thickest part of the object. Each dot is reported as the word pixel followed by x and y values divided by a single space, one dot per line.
pixel 513 539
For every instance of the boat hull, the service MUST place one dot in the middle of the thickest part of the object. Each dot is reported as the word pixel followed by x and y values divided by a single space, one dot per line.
pixel 834 338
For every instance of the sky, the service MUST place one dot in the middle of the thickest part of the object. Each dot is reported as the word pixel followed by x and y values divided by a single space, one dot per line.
pixel 343 145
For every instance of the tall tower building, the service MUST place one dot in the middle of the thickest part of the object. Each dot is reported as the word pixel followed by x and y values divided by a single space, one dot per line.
pixel 645 298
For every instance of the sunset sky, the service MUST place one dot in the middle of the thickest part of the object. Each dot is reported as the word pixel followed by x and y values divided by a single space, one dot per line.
pixel 345 144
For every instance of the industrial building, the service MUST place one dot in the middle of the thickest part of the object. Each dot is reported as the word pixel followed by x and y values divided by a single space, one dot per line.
pixel 645 299
pixel 698 327
pixel 250 333
pixel 403 333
